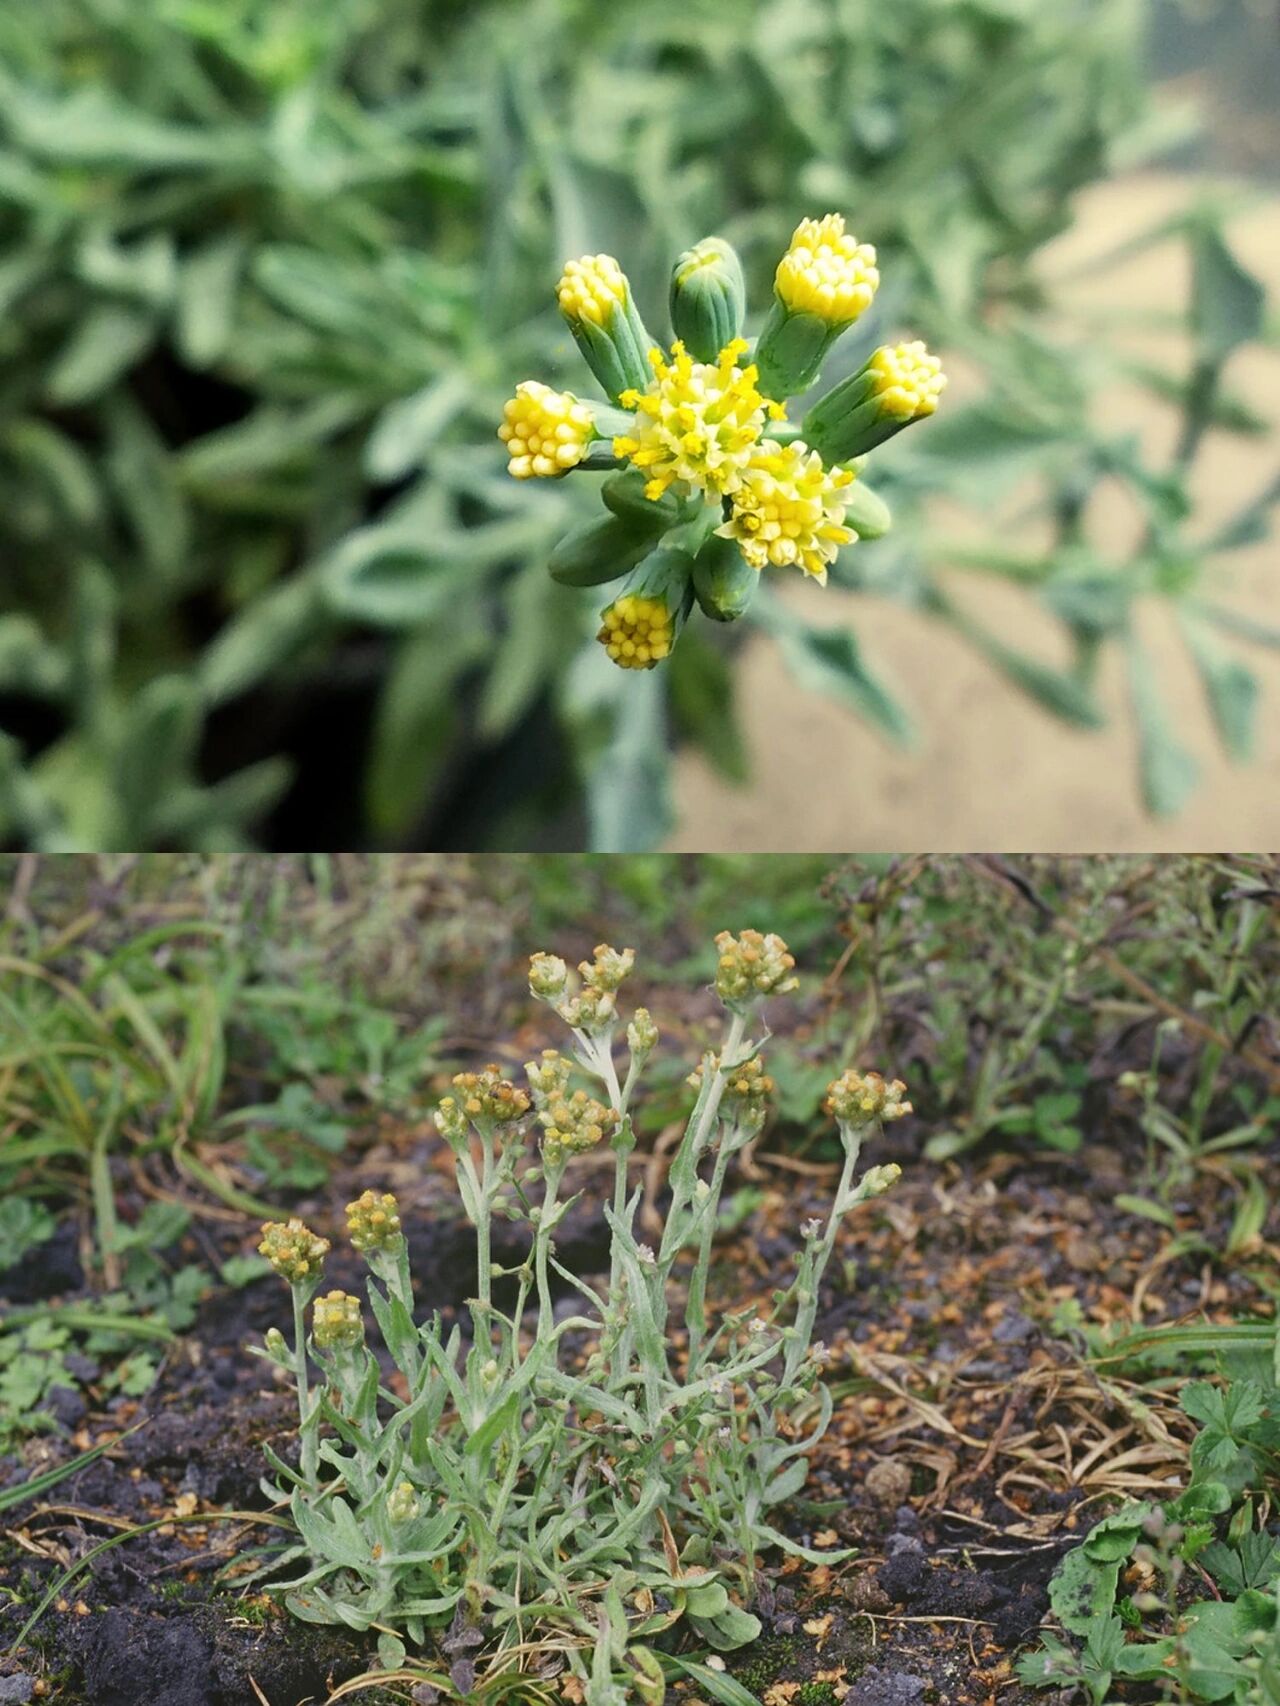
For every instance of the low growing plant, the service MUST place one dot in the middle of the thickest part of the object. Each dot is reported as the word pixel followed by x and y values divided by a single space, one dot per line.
pixel 1184 1596
pixel 600 1471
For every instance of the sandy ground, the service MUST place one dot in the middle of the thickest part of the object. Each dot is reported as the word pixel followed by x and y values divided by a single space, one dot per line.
pixel 993 771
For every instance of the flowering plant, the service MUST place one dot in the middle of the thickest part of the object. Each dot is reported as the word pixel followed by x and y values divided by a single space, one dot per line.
pixel 710 482
pixel 600 1465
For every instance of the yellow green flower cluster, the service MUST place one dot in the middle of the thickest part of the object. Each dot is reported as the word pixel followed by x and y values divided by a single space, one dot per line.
pixel 750 966
pixel 336 1321
pixel 485 1100
pixel 594 1007
pixel 865 1098
pixel 373 1222
pixel 294 1251
pixel 572 1124
pixel 712 482
pixel 548 1075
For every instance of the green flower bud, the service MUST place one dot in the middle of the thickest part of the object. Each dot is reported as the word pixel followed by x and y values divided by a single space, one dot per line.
pixel 548 976
pixel 724 582
pixel 604 550
pixel 402 1502
pixel 373 1222
pixel 642 1033
pixel 867 514
pixel 624 493
pixel 708 297
pixel 336 1322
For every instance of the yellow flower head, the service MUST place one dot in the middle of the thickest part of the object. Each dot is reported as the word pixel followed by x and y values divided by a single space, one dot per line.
pixel 750 965
pixel 373 1221
pixel 697 422
pixel 637 632
pixel 336 1322
pixel 546 432
pixel 293 1250
pixel 572 1124
pixel 592 288
pixel 859 1098
pixel 827 272
pixel 788 509
pixel 907 380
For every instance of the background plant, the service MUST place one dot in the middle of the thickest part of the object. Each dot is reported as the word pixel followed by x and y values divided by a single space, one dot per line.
pixel 515 1485
pixel 267 277
pixel 1185 1596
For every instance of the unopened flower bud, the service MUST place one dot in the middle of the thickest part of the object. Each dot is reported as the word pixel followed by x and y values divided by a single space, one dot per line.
pixel 898 384
pixel 403 1503
pixel 608 968
pixel 642 1033
pixel 860 1099
pixel 546 432
pixel 877 1180
pixel 751 966
pixel 572 1124
pixel 336 1322
pixel 548 976
pixel 373 1222
pixel 548 1075
pixel 595 299
pixel 295 1252
pixel 708 297
pixel 824 282
pixel 275 1342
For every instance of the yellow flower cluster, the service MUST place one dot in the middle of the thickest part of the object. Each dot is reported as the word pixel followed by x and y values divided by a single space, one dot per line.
pixel 788 510
pixel 859 1098
pixel 608 967
pixel 593 1008
pixel 591 288
pixel 546 432
pixel 483 1099
pixel 827 272
pixel 746 1088
pixel 637 632
pixel 336 1322
pixel 373 1221
pixel 548 1075
pixel 907 380
pixel 572 1124
pixel 696 424
pixel 294 1251
pixel 752 965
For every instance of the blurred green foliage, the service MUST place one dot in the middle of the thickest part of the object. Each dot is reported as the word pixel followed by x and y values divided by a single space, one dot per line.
pixel 268 270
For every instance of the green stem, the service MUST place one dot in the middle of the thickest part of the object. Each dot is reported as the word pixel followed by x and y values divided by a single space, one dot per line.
pixel 541 1249
pixel 307 1429
pixel 695 1308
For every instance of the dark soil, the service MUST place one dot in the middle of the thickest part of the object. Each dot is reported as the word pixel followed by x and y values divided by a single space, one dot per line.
pixel 968 1450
